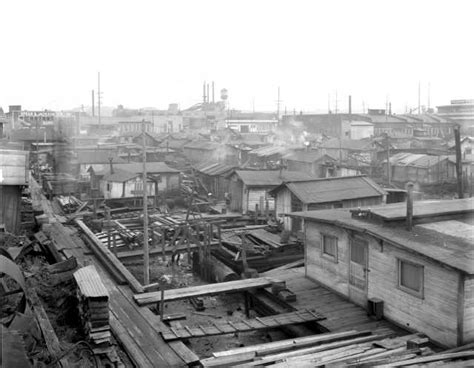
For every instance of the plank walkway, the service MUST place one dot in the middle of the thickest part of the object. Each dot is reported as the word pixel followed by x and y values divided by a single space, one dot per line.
pixel 341 314
pixel 227 327
pixel 137 329
pixel 205 290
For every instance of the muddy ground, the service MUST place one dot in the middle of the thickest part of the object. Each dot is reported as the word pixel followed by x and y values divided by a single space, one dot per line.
pixel 223 307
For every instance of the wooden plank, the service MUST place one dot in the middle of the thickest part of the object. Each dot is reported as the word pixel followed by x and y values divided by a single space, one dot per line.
pixel 205 290
pixel 136 254
pixel 98 245
pixel 265 323
pixel 434 358
pixel 277 346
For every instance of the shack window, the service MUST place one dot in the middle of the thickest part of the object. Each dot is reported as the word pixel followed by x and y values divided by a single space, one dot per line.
pixel 329 246
pixel 410 277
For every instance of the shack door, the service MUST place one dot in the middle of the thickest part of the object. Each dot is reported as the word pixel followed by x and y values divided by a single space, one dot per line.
pixel 358 269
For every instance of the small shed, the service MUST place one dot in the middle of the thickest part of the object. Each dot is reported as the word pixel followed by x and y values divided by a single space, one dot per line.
pixel 250 189
pixel 214 177
pixel 422 279
pixel 310 161
pixel 318 194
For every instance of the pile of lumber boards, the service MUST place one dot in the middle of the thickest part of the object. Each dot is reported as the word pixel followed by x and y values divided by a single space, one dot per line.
pixel 93 307
pixel 328 349
pixel 69 204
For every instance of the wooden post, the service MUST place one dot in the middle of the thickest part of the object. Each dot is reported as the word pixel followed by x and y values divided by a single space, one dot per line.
pixel 162 303
pixel 409 206
pixel 146 255
pixel 115 244
pixel 163 244
pixel 247 304
pixel 457 140
pixel 244 254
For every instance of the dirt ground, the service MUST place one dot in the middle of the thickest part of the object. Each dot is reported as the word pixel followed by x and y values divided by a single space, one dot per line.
pixel 223 307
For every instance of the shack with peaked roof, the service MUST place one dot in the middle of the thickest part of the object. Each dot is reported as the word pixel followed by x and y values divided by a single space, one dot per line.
pixel 421 168
pixel 318 194
pixel 125 180
pixel 250 189
pixel 202 151
pixel 213 177
pixel 311 161
pixel 421 279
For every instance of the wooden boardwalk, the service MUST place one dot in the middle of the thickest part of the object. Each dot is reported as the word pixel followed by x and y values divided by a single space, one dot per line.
pixel 227 327
pixel 340 313
pixel 137 329
pixel 210 289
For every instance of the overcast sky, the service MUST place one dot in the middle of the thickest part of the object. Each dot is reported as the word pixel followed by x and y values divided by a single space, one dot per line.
pixel 152 53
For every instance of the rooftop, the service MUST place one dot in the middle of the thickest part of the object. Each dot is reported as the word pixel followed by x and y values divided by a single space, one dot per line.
pixel 213 168
pixel 440 242
pixel 270 177
pixel 333 189
pixel 308 156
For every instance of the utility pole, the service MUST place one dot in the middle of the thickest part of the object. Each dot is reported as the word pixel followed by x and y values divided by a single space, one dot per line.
pixel 457 141
pixel 419 98
pixel 98 96
pixel 146 256
pixel 389 169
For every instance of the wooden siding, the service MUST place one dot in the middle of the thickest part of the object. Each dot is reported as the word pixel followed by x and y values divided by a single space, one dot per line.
pixel 258 196
pixel 435 314
pixel 13 167
pixel 283 205
pixel 10 208
pixel 169 182
pixel 237 194
pixel 321 268
pixel 468 321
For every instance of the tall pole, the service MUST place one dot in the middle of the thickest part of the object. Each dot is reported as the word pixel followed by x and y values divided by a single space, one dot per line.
pixel 457 141
pixel 146 256
pixel 93 107
pixel 98 96
pixel 278 105
pixel 419 98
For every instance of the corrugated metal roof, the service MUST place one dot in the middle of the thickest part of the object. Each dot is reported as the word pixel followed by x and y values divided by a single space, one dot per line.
pixel 334 189
pixel 97 156
pixel 270 177
pixel 90 283
pixel 151 167
pixel 348 144
pixel 308 156
pixel 269 151
pixel 418 160
pixel 213 168
pixel 120 176
pixel 202 145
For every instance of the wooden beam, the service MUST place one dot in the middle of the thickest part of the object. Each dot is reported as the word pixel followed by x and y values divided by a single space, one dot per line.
pixel 211 289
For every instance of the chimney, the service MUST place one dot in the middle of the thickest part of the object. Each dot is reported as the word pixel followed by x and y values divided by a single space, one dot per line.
pixel 212 91
pixel 204 92
pixel 207 98
pixel 93 106
pixel 409 218
pixel 390 108
pixel 111 166
pixel 350 105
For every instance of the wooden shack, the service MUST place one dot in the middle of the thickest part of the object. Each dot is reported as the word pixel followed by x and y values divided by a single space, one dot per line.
pixel 250 189
pixel 13 176
pixel 310 161
pixel 420 279
pixel 213 176
pixel 318 194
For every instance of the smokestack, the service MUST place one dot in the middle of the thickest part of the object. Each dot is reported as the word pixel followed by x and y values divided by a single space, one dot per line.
pixel 111 166
pixel 93 106
pixel 409 206
pixel 208 92
pixel 212 91
pixel 350 105
pixel 390 108
pixel 204 92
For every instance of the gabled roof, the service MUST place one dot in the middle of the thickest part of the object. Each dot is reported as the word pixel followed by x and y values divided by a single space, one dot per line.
pixel 269 151
pixel 308 156
pixel 152 167
pixel 418 160
pixel 453 250
pixel 97 157
pixel 202 145
pixel 214 168
pixel 333 189
pixel 119 176
pixel 270 177
pixel 348 144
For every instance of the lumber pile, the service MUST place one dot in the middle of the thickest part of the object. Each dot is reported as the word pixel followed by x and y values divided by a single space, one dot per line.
pixel 348 348
pixel 93 307
pixel 68 203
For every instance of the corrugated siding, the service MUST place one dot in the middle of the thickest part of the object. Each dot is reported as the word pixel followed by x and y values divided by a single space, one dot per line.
pixel 468 311
pixel 283 205
pixel 10 208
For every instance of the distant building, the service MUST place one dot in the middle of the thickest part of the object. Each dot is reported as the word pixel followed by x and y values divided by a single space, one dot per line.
pixel 459 111
pixel 261 123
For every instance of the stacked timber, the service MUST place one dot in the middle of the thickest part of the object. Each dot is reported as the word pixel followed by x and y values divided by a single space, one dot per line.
pixel 93 307
pixel 68 204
